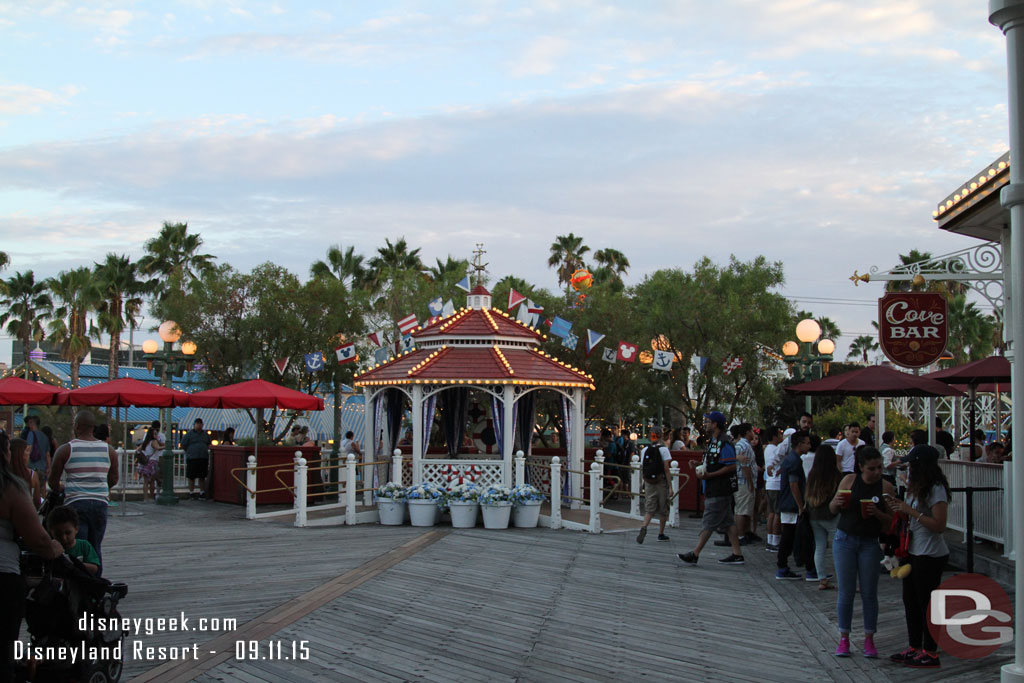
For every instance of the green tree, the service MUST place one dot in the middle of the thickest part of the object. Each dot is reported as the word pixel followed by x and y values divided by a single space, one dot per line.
pixel 346 266
pixel 5 260
pixel 567 253
pixel 77 293
pixel 120 302
pixel 446 270
pixel 173 262
pixel 25 306
pixel 971 332
pixel 394 258
pixel 862 346
pixel 613 260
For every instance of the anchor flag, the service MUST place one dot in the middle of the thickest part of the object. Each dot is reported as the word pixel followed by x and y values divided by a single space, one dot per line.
pixel 593 339
pixel 608 355
pixel 435 307
pixel 408 324
pixel 346 354
pixel 281 364
pixel 314 362
pixel 662 360
pixel 514 299
pixel 463 284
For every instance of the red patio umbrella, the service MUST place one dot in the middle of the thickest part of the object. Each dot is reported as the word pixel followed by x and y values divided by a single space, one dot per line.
pixel 119 393
pixel 875 380
pixel 256 393
pixel 994 370
pixel 16 391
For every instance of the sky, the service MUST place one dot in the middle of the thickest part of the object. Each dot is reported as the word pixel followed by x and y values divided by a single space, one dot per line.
pixel 818 133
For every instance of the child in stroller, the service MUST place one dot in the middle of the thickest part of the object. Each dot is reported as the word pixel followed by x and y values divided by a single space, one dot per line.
pixel 73 623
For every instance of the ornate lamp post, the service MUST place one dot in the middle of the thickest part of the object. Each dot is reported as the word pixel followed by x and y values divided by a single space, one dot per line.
pixel 806 360
pixel 168 363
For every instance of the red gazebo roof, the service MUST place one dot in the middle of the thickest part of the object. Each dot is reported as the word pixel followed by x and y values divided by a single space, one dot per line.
pixel 479 322
pixel 480 365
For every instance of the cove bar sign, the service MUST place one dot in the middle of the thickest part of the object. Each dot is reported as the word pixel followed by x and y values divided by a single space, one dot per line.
pixel 912 327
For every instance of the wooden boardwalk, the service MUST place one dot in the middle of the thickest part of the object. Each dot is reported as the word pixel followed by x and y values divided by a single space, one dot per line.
pixel 398 603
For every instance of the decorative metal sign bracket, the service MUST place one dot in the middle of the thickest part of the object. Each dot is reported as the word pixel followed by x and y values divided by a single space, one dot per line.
pixel 979 267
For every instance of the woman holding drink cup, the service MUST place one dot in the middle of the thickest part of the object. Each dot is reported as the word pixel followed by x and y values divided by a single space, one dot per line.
pixel 855 550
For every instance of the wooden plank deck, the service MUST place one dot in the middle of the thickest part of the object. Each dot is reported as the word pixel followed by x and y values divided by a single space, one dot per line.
pixel 399 603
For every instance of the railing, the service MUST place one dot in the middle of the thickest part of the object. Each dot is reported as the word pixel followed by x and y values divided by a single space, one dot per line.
pixel 991 493
pixel 129 480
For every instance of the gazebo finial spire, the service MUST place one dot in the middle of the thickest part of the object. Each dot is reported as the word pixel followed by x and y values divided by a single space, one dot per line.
pixel 478 265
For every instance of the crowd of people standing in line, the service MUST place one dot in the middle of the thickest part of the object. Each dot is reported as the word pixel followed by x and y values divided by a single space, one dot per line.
pixel 844 490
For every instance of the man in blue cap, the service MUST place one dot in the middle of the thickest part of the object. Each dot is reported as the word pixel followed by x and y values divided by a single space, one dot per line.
pixel 717 472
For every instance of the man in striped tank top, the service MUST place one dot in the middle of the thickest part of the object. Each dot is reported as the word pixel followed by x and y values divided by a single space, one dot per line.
pixel 89 467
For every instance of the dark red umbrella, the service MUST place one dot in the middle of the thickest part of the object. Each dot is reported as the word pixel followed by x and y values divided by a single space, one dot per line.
pixel 875 380
pixel 16 391
pixel 256 393
pixel 991 370
pixel 119 393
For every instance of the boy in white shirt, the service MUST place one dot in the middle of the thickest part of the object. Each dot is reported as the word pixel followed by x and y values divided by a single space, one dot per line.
pixel 846 451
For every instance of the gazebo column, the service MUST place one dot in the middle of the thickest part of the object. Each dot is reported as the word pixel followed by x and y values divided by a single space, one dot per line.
pixel 369 445
pixel 417 433
pixel 576 457
pixel 508 434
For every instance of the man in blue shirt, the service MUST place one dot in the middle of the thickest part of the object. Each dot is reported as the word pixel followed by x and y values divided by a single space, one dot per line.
pixel 718 474
pixel 791 500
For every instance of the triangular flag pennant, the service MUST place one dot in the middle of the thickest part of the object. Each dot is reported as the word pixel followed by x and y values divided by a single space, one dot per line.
pixel 435 306
pixel 514 299
pixel 662 360
pixel 701 362
pixel 463 284
pixel 608 355
pixel 377 338
pixel 449 308
pixel 593 339
pixel 346 354
pixel 281 364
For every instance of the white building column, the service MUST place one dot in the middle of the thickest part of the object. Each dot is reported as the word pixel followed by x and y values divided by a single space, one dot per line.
pixel 508 434
pixel 417 432
pixel 1008 15
pixel 369 444
pixel 576 457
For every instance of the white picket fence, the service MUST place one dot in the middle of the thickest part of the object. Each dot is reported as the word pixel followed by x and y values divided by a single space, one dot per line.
pixel 992 514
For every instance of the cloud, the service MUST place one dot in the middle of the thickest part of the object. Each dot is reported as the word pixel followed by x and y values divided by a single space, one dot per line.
pixel 540 57
pixel 20 100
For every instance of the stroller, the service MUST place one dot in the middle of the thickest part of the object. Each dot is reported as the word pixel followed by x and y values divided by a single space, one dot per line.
pixel 62 595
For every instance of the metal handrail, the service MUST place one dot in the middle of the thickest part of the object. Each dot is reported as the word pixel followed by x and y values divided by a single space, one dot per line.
pixel 259 467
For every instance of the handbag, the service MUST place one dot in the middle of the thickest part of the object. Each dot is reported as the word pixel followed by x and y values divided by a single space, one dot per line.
pixel 897 538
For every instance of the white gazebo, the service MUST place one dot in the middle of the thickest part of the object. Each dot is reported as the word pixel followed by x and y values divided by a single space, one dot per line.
pixel 476 348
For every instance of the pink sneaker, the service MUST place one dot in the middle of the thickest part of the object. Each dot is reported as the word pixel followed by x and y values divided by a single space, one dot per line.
pixel 869 647
pixel 844 647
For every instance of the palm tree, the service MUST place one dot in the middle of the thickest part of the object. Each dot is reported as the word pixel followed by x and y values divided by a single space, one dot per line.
pixel 173 260
pixel 120 302
pixel 613 259
pixel 829 329
pixel 970 331
pixel 396 257
pixel 346 266
pixel 567 256
pixel 445 270
pixel 26 305
pixel 862 346
pixel 5 260
pixel 78 293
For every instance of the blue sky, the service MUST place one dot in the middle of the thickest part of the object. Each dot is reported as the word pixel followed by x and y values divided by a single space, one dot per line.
pixel 821 133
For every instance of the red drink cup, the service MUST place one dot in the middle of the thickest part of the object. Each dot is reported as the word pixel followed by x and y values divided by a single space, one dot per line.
pixel 845 493
pixel 865 507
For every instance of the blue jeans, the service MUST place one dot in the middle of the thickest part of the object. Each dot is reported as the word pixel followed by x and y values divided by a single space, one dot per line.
pixel 821 528
pixel 856 558
pixel 92 521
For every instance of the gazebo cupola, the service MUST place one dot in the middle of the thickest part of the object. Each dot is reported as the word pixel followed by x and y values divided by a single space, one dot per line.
pixel 479 298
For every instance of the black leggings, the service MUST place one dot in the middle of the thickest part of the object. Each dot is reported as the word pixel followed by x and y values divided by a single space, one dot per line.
pixel 786 544
pixel 12 594
pixel 925 576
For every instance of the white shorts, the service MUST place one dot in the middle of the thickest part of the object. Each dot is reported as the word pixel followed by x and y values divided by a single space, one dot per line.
pixel 788 517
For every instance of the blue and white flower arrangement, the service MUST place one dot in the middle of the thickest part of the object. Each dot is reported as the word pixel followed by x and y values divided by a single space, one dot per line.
pixel 463 493
pixel 425 491
pixel 525 494
pixel 495 495
pixel 391 490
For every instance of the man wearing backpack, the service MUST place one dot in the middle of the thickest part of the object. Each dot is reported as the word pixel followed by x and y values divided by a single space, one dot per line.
pixel 718 473
pixel 654 466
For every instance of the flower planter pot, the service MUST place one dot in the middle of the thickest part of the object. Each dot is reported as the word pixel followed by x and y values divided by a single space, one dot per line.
pixel 423 512
pixel 463 513
pixel 391 511
pixel 526 515
pixel 496 515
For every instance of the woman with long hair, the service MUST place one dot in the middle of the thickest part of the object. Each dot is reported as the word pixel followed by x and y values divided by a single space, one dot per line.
pixel 926 506
pixel 822 484
pixel 147 460
pixel 20 451
pixel 862 514
pixel 17 518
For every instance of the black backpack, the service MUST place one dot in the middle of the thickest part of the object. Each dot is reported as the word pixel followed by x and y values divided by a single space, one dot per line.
pixel 652 466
